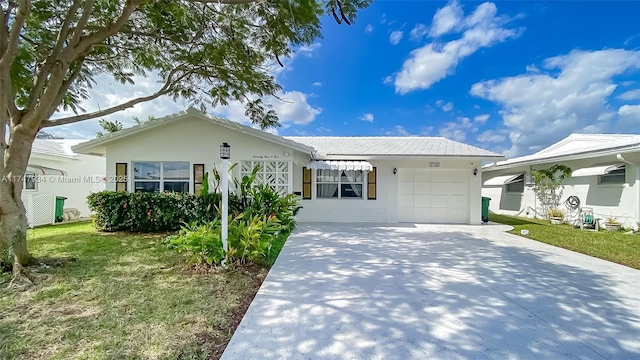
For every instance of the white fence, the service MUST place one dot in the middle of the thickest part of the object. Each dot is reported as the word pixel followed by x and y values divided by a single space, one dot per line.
pixel 41 208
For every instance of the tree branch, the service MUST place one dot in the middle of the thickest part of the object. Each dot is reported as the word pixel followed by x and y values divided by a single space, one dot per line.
pixel 10 52
pixel 43 73
pixel 99 36
pixel 96 114
pixel 228 2
pixel 77 32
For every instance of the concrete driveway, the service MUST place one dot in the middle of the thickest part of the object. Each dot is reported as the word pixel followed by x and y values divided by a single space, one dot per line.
pixel 356 291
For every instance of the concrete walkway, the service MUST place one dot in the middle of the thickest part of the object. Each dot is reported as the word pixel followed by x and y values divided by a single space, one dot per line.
pixel 355 291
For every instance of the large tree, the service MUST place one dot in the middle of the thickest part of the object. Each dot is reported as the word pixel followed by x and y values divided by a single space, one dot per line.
pixel 206 51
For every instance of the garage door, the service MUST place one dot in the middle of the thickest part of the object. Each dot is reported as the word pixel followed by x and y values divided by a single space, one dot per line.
pixel 432 196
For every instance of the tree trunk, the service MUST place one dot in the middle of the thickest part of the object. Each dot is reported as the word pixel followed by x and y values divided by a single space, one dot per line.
pixel 13 219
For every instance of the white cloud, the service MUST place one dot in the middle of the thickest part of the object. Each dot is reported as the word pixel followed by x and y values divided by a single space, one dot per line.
pixel 387 80
pixel 434 61
pixel 542 108
pixel 368 29
pixel 395 37
pixel 481 118
pixel 445 106
pixel 630 95
pixel 292 109
pixel 446 19
pixel 317 83
pixel 492 136
pixel 308 50
pixel 398 130
pixel 418 32
pixel 629 118
pixel 458 130
pixel 367 117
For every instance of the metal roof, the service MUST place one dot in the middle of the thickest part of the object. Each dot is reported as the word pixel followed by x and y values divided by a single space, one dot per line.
pixel 383 146
pixel 575 146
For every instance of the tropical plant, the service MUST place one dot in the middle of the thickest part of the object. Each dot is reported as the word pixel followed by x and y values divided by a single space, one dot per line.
pixel 556 213
pixel 205 51
pixel 249 240
pixel 109 127
pixel 611 219
pixel 201 241
pixel 547 186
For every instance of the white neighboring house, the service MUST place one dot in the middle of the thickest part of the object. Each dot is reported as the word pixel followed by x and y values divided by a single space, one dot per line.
pixel 605 177
pixel 339 179
pixel 55 170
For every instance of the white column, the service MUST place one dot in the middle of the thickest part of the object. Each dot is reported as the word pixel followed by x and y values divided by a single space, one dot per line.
pixel 225 205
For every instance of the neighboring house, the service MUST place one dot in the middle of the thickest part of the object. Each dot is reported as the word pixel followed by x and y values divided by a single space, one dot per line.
pixel 339 179
pixel 605 177
pixel 55 170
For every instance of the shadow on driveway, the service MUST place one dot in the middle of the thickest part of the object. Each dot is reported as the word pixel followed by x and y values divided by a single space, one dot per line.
pixel 355 291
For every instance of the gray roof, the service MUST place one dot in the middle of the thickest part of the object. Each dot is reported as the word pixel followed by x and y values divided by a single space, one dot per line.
pixel 574 146
pixel 392 146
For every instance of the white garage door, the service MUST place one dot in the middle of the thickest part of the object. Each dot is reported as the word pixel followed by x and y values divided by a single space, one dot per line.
pixel 432 196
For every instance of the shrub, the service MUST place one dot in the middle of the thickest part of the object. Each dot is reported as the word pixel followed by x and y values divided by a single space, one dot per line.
pixel 150 212
pixel 250 240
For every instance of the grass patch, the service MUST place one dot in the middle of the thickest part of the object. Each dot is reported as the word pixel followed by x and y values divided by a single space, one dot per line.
pixel 617 247
pixel 121 296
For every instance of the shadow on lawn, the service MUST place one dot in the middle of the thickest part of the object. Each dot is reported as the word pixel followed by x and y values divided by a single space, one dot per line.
pixel 342 292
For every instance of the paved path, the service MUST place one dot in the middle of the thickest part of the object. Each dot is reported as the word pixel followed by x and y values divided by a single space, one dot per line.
pixel 356 291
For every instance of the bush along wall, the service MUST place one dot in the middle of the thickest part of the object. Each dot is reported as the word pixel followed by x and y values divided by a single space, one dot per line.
pixel 150 212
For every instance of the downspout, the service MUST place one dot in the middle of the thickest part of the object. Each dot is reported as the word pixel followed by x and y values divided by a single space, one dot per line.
pixel 637 183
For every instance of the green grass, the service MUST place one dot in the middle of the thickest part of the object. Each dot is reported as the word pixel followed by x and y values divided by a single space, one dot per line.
pixel 617 247
pixel 121 297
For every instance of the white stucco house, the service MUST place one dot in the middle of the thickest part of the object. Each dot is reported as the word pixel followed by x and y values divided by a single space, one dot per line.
pixel 55 170
pixel 605 177
pixel 338 179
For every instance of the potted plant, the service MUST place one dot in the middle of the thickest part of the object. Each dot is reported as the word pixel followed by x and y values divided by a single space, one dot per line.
pixel 556 216
pixel 612 224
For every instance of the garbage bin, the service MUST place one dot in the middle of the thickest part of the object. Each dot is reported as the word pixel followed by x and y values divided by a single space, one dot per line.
pixel 59 207
pixel 485 208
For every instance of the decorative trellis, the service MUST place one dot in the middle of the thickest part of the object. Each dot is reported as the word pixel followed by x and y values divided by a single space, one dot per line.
pixel 40 209
pixel 276 174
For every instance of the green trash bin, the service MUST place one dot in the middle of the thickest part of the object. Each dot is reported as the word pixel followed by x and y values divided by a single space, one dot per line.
pixel 60 207
pixel 485 208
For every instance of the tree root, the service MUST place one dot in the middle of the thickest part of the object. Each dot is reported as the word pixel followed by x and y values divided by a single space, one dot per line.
pixel 22 278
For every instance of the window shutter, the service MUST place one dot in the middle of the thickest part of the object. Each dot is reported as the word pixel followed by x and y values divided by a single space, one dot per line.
pixel 371 184
pixel 121 177
pixel 306 183
pixel 198 178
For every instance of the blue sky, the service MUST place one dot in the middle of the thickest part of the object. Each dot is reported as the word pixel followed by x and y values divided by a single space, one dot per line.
pixel 512 77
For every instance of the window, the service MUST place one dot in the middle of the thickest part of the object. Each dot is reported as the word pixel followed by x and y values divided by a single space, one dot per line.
pixel 156 176
pixel 617 176
pixel 339 184
pixel 516 185
pixel 30 180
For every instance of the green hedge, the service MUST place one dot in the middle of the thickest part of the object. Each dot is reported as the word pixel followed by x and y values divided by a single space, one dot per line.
pixel 152 212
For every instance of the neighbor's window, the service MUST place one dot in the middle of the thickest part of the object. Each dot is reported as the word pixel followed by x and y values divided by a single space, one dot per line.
pixel 30 180
pixel 617 176
pixel 339 184
pixel 156 176
pixel 516 185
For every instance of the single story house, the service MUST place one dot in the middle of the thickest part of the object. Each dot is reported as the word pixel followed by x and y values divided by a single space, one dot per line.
pixel 54 170
pixel 338 179
pixel 605 177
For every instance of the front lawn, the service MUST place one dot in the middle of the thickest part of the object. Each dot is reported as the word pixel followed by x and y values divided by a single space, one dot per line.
pixel 613 246
pixel 121 296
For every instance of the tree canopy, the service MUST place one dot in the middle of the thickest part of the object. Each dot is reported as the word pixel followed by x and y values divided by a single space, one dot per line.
pixel 204 51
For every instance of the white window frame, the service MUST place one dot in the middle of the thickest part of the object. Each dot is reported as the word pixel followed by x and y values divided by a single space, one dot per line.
pixel 362 183
pixel 615 174
pixel 35 181
pixel 161 180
